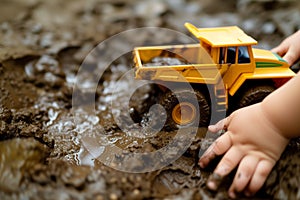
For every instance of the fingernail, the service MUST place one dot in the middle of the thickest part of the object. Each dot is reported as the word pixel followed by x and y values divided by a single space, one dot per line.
pixel 211 185
pixel 232 194
pixel 214 181
pixel 211 128
pixel 201 164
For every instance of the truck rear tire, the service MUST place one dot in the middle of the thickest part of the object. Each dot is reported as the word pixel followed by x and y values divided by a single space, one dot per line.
pixel 254 94
pixel 184 112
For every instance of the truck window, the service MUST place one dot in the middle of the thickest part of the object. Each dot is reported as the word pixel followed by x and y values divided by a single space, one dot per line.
pixel 231 55
pixel 243 56
pixel 222 55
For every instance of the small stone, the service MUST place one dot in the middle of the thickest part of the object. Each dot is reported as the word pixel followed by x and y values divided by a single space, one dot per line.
pixel 136 192
pixel 113 196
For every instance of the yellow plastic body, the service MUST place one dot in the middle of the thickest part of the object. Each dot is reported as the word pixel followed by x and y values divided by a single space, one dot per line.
pixel 223 55
pixel 221 36
pixel 197 71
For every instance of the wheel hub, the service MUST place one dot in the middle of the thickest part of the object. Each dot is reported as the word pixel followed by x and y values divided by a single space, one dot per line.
pixel 184 113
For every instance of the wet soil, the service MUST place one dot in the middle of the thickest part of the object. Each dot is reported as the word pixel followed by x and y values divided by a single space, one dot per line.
pixel 44 132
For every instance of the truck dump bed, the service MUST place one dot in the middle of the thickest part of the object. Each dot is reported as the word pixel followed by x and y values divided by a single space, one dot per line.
pixel 180 63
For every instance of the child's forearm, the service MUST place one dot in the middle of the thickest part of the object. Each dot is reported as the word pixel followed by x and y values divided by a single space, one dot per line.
pixel 283 108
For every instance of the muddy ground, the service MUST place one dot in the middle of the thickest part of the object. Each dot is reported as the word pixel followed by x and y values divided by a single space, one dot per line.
pixel 50 143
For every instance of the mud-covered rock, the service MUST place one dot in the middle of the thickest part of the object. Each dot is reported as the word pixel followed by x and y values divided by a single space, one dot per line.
pixel 22 123
pixel 17 157
pixel 5 115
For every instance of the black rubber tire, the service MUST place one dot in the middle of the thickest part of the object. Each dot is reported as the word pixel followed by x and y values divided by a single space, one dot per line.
pixel 254 94
pixel 170 99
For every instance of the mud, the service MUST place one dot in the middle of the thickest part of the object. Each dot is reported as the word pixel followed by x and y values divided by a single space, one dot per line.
pixel 163 61
pixel 43 134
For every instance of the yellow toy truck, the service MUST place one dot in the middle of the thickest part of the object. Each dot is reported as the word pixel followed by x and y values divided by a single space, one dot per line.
pixel 223 62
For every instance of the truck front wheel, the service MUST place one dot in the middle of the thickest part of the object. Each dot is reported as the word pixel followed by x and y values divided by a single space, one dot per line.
pixel 254 94
pixel 185 108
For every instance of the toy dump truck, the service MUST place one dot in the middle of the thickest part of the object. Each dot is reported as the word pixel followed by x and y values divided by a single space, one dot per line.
pixel 224 71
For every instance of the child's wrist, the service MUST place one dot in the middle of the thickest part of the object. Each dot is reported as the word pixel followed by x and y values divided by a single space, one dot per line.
pixel 270 117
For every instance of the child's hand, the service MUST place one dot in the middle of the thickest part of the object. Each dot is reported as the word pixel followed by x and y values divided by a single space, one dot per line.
pixel 250 141
pixel 289 48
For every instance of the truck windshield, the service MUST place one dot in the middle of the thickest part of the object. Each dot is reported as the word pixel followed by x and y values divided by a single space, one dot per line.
pixel 243 54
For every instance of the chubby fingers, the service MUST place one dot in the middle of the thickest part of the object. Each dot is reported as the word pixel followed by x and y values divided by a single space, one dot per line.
pixel 219 147
pixel 229 161
pixel 221 125
pixel 288 53
pixel 218 126
pixel 261 173
pixel 250 176
pixel 243 175
pixel 291 56
pixel 281 49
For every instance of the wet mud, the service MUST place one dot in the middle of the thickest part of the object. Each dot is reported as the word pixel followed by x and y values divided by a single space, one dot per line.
pixel 51 147
pixel 165 61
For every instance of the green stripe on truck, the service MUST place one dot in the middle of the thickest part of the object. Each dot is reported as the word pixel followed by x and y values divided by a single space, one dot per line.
pixel 267 64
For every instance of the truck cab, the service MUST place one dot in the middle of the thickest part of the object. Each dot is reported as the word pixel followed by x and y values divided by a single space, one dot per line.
pixel 232 50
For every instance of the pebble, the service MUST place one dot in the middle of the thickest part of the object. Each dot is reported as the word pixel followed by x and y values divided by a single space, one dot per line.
pixel 113 196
